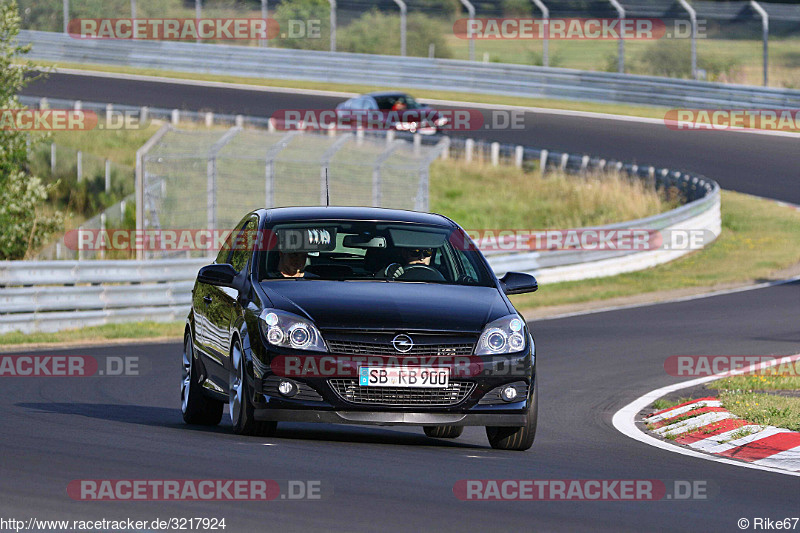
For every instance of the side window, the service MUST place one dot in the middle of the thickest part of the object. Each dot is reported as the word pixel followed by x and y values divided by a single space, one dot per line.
pixel 243 244
pixel 369 103
pixel 224 252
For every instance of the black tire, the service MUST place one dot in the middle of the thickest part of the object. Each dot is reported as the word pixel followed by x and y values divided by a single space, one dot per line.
pixel 240 402
pixel 516 438
pixel 196 407
pixel 443 432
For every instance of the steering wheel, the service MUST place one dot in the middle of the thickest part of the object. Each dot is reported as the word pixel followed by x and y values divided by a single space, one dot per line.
pixel 419 273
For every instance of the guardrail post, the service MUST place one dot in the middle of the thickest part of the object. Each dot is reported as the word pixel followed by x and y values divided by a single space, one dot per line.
pixel 519 152
pixel 621 45
pixel 65 10
pixel 43 104
pixel 390 136
pixel 103 225
pixel 765 35
pixel 403 18
pixel 584 163
pixel 495 153
pixel 543 161
pixel 143 115
pixel 209 119
pixel 78 105
pixel 265 16
pixel 133 9
pixel 79 165
pixel 469 147
pixel 545 37
pixel 471 11
pixel 108 176
pixel 564 161
pixel 80 246
pixel 417 143
pixel 176 117
pixel 693 20
pixel 109 112
pixel 198 13
pixel 333 24
pixel 239 121
pixel 52 159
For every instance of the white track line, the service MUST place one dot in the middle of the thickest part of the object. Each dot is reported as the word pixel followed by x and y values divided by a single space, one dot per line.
pixel 317 92
pixel 625 421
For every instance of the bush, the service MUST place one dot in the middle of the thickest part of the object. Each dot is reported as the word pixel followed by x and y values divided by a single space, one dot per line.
pixel 304 10
pixel 24 224
pixel 379 33
pixel 672 58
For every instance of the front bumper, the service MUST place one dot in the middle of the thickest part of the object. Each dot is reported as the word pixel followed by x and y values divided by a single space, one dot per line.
pixel 391 418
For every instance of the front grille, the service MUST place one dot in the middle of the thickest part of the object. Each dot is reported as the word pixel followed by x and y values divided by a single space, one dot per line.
pixel 350 391
pixel 347 347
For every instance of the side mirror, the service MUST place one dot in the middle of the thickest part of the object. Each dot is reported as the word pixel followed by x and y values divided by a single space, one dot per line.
pixel 222 275
pixel 518 283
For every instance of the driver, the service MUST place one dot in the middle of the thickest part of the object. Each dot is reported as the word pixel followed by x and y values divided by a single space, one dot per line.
pixel 410 256
pixel 292 264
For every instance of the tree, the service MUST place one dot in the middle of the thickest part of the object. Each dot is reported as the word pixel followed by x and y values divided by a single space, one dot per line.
pixel 23 223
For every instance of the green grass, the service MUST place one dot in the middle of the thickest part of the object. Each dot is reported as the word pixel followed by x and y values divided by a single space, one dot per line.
pixel 661 403
pixel 126 330
pixel 763 381
pixel 486 197
pixel 758 238
pixel 764 409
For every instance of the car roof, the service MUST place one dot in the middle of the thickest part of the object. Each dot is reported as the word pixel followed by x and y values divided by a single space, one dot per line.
pixel 387 93
pixel 291 214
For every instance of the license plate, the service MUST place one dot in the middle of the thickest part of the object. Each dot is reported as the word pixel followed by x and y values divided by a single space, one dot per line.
pixel 403 376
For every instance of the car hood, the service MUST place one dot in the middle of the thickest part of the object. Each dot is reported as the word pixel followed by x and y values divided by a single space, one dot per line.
pixel 388 305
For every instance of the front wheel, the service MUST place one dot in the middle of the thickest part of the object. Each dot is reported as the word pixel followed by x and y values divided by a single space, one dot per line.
pixel 240 404
pixel 196 407
pixel 516 438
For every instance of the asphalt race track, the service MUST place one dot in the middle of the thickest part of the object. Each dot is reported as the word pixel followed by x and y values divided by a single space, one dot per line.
pixel 61 429
pixel 757 164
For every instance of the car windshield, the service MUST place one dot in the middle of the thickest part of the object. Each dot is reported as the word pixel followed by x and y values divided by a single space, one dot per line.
pixel 356 250
pixel 396 102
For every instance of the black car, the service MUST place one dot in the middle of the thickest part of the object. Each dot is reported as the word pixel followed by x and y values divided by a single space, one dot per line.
pixel 362 316
pixel 391 110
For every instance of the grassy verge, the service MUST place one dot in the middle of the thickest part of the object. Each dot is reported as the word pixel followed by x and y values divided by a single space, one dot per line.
pixel 758 238
pixel 661 403
pixel 127 330
pixel 524 200
pixel 766 409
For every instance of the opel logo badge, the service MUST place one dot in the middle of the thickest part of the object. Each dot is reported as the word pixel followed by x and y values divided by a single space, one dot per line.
pixel 402 343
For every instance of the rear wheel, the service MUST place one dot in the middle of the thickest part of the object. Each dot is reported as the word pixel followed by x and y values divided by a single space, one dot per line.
pixel 196 407
pixel 240 404
pixel 443 432
pixel 516 438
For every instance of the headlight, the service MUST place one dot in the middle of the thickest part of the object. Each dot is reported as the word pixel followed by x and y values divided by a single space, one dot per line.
pixel 442 121
pixel 290 331
pixel 504 335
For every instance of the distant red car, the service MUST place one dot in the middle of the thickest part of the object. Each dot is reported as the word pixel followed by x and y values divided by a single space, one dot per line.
pixel 391 111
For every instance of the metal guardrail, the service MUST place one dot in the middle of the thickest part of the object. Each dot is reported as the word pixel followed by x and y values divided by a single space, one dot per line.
pixel 393 71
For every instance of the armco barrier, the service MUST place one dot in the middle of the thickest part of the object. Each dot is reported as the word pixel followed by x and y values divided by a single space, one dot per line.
pixel 394 71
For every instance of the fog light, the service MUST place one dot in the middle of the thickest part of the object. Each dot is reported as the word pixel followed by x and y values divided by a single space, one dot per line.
pixel 287 388
pixel 508 394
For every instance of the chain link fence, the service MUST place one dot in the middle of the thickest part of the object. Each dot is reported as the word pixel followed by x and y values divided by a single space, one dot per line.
pixel 209 179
